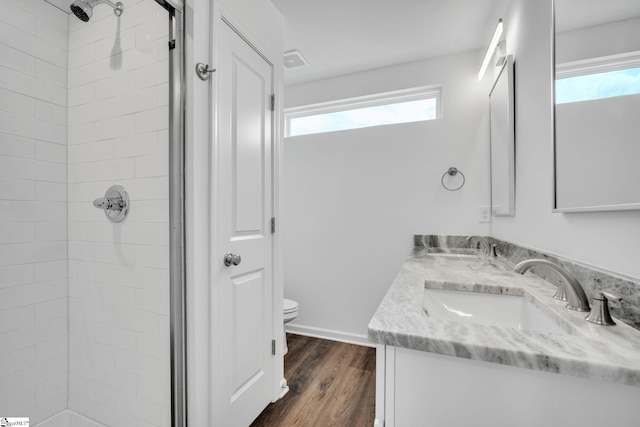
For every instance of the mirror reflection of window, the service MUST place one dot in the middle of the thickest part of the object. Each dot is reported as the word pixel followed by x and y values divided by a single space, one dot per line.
pixel 600 85
pixel 597 89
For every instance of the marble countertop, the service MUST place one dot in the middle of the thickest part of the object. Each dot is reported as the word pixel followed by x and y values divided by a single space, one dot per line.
pixel 610 353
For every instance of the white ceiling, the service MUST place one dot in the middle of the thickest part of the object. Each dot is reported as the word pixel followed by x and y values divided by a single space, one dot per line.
pixel 345 36
pixel 574 14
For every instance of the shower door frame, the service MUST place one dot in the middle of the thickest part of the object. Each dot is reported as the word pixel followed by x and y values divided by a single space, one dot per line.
pixel 177 280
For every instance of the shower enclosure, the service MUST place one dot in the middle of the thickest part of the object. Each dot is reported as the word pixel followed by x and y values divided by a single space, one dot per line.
pixel 91 309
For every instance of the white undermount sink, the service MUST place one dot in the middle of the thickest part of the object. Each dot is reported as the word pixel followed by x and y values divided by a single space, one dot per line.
pixel 511 311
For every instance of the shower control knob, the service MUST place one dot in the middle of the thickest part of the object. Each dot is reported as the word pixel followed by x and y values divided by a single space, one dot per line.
pixel 115 203
pixel 230 259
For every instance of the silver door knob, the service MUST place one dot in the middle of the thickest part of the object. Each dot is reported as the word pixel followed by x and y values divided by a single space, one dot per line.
pixel 230 258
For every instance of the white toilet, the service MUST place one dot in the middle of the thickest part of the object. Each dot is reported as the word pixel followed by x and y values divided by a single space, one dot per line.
pixel 290 312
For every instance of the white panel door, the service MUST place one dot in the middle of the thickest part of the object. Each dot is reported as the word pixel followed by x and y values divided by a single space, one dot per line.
pixel 243 294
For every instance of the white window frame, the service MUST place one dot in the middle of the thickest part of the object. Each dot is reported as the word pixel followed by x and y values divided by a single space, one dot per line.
pixel 384 98
pixel 598 65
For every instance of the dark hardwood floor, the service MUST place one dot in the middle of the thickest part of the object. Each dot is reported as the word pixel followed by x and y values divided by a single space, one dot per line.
pixel 330 384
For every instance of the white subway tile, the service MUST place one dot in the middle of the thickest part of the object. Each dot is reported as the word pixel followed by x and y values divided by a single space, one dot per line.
pixel 114 127
pixel 51 73
pixel 52 172
pixel 91 152
pixel 152 120
pixel 51 191
pixel 87 191
pixel 81 95
pixel 30 127
pixel 48 408
pixel 23 253
pixel 17 103
pixel 142 277
pixel 17 146
pixel 11 167
pixel 20 296
pixel 53 309
pixel 153 256
pixel 53 113
pixel 50 389
pixel 143 233
pixel 16 361
pixel 109 46
pixel 91 271
pixel 118 169
pixel 51 270
pixel 17 60
pixel 20 19
pixel 17 318
pixel 51 231
pixel 56 35
pixel 147 188
pixel 154 391
pixel 50 152
pixel 135 145
pixel 40 9
pixel 152 165
pixel 82 55
pixel 152 74
pixel 163 95
pixel 120 84
pixel 32 45
pixel 137 321
pixel 21 211
pixel 153 301
pixel 17 189
pixel 32 87
pixel 80 366
pixel 50 349
pixel 15 275
pixel 151 211
pixel 16 232
pixel 20 401
pixel 154 346
pixel 82 405
pixel 90 72
pixel 79 133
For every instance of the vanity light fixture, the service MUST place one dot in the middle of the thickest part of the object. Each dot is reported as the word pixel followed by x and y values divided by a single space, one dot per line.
pixel 492 47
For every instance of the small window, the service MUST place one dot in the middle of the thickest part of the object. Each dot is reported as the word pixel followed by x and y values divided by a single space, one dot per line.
pixel 413 105
pixel 598 78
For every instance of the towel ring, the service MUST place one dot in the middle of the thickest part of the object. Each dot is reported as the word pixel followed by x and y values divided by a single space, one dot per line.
pixel 453 172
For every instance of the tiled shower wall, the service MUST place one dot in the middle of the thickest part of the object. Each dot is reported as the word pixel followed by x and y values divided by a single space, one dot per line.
pixel 119 371
pixel 33 209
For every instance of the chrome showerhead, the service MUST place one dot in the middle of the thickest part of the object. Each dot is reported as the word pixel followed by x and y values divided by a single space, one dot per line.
pixel 83 9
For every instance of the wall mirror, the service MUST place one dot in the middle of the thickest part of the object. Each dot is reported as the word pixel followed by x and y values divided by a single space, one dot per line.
pixel 501 106
pixel 597 100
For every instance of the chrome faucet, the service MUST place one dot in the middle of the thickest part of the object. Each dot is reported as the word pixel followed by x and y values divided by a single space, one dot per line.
pixel 483 242
pixel 571 290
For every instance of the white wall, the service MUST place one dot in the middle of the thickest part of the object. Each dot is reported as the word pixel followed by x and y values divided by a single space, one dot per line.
pixel 354 199
pixel 33 212
pixel 603 239
pixel 119 371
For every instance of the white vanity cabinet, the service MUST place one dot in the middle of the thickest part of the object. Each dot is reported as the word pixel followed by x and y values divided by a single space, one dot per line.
pixel 421 389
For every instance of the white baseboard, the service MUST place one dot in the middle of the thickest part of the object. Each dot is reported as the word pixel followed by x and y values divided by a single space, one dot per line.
pixel 328 334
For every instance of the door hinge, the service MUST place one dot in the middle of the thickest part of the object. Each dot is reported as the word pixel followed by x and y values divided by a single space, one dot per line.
pixel 273 224
pixel 172 44
pixel 273 102
pixel 273 347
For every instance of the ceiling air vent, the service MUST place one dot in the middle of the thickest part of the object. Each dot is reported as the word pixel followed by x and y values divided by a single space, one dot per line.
pixel 294 59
